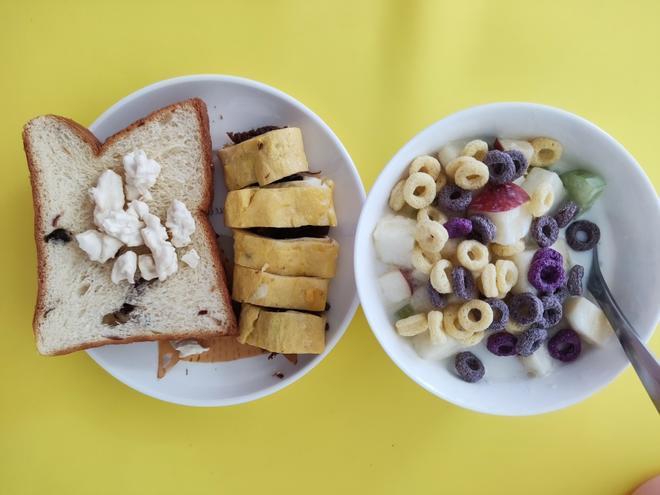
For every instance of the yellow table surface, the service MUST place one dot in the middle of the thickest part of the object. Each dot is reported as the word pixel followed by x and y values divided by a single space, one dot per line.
pixel 377 72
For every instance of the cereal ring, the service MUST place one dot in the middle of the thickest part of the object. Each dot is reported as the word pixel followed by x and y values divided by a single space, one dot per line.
pixel 582 235
pixel 436 333
pixel 519 162
pixel 437 300
pixel 475 316
pixel 545 230
pixel 507 250
pixel 566 213
pixel 546 151
pixel 469 367
pixel 506 275
pixel 421 261
pixel 396 196
pixel 502 344
pixel 413 325
pixel 546 274
pixel 483 229
pixel 452 327
pixel 462 283
pixel 501 168
pixel 530 340
pixel 471 175
pixel 525 308
pixel 552 312
pixel 452 166
pixel 426 164
pixel 562 293
pixel 487 281
pixel 453 198
pixel 574 283
pixel 472 255
pixel 500 313
pixel 565 345
pixel 419 190
pixel 439 278
pixel 431 236
pixel 540 201
pixel 476 149
pixel 458 227
pixel 441 181
pixel 431 213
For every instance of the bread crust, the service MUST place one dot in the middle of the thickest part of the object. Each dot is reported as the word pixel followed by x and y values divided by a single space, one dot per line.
pixel 228 327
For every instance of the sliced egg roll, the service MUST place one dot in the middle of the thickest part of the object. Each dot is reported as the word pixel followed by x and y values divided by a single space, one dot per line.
pixel 287 332
pixel 307 257
pixel 264 159
pixel 277 291
pixel 288 204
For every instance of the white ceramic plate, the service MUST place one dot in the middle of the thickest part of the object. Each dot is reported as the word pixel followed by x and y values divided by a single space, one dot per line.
pixel 236 104
pixel 628 214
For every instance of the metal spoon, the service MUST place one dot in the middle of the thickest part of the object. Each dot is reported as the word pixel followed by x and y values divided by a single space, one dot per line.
pixel 645 364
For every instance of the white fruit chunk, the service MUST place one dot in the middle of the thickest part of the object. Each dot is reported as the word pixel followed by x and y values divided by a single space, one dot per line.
pixel 394 286
pixel 522 261
pixel 451 150
pixel 538 176
pixel 394 240
pixel 525 147
pixel 427 350
pixel 539 363
pixel 587 319
pixel 420 300
pixel 511 225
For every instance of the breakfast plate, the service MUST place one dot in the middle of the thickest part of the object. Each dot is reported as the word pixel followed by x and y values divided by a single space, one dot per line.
pixel 236 104
pixel 628 251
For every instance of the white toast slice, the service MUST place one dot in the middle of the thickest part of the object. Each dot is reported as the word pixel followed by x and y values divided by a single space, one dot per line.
pixel 78 306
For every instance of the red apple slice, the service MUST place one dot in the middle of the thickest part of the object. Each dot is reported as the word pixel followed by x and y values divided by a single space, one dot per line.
pixel 503 197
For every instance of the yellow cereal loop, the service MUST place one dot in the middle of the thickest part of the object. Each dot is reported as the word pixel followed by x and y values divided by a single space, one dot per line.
pixel 487 281
pixel 506 274
pixel 431 236
pixel 476 148
pixel 441 181
pixel 439 276
pixel 475 316
pixel 419 190
pixel 472 255
pixel 540 201
pixel 413 325
pixel 471 175
pixel 397 200
pixel 436 334
pixel 452 166
pixel 431 213
pixel 426 164
pixel 546 151
pixel 507 250
pixel 421 261
pixel 452 328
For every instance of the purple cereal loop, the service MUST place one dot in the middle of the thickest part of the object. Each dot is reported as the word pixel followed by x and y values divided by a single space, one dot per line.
pixel 545 231
pixel 500 313
pixel 501 168
pixel 519 162
pixel 589 229
pixel 548 253
pixel 502 344
pixel 552 311
pixel 525 308
pixel 546 275
pixel 438 300
pixel 469 367
pixel 462 283
pixel 565 345
pixel 530 340
pixel 566 213
pixel 574 284
pixel 453 199
pixel 458 227
pixel 483 229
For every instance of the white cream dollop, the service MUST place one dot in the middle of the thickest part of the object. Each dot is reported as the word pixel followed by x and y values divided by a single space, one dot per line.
pixel 180 222
pixel 124 226
pixel 124 268
pixel 98 246
pixel 164 254
pixel 147 267
pixel 191 258
pixel 108 196
pixel 141 173
pixel 188 347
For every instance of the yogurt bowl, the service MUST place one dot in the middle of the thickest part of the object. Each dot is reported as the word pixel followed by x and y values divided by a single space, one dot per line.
pixel 628 249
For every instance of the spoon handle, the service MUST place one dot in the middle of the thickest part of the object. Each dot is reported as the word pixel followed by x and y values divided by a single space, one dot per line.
pixel 645 364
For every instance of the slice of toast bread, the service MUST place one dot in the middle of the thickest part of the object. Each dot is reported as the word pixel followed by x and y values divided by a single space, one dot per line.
pixel 78 306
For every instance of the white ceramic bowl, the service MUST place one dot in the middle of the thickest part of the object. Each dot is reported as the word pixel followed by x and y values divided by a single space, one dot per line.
pixel 238 104
pixel 629 213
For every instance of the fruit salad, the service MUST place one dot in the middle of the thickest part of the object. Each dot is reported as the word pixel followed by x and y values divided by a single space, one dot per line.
pixel 478 247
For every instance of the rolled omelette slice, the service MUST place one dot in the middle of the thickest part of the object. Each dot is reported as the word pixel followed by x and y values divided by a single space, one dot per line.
pixel 277 291
pixel 287 332
pixel 302 257
pixel 289 204
pixel 264 159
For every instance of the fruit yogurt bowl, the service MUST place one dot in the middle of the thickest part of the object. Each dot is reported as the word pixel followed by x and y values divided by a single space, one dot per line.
pixel 473 250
